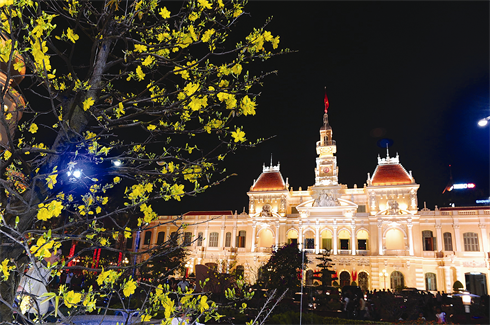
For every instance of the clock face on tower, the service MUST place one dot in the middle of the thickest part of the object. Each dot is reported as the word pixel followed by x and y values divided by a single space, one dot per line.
pixel 326 170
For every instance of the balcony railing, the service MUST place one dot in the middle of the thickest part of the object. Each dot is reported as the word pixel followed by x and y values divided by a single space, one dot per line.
pixel 395 252
pixel 362 252
pixel 344 252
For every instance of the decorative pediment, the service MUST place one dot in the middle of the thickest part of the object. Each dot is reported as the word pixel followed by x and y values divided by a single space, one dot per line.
pixel 344 207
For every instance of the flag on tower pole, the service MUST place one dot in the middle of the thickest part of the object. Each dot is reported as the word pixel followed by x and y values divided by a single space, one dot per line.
pixel 326 101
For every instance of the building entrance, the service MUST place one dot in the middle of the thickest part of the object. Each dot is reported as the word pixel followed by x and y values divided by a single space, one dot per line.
pixel 476 283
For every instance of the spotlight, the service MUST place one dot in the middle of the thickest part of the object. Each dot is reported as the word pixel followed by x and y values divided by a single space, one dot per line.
pixel 117 163
pixel 77 173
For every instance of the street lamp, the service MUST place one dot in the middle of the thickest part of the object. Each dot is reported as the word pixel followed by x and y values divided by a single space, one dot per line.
pixel 188 267
pixel 384 274
pixel 484 121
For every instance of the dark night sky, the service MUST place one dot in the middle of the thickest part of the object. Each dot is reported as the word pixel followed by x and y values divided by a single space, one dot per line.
pixel 413 72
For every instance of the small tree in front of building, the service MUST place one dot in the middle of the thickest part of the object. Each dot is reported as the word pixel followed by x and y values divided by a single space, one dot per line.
pixel 326 273
pixel 284 269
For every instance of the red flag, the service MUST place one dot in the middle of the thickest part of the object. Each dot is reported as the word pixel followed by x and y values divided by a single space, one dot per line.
pixel 326 102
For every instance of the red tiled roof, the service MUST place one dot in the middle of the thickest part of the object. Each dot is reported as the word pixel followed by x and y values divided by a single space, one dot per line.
pixel 208 213
pixel 269 181
pixel 390 175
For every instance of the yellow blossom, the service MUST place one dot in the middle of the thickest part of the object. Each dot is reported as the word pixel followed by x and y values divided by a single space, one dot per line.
pixel 87 103
pixel 6 269
pixel 33 128
pixel 177 191
pixel 140 75
pixel 164 13
pixel 140 48
pixel 207 35
pixel 248 106
pixel 71 35
pixel 205 4
pixel 129 288
pixel 72 298
pixel 238 135
pixel 7 154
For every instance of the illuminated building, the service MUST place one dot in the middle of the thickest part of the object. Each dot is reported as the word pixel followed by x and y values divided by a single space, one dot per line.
pixel 376 233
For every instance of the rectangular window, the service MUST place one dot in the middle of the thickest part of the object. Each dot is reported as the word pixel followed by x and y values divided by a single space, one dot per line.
pixel 173 237
pixel 327 243
pixel 129 243
pixel 187 238
pixel 471 242
pixel 428 241
pixel 362 244
pixel 293 241
pixel 199 238
pixel 344 244
pixel 361 208
pixel 309 243
pixel 448 241
pixel 213 239
pixel 240 240
pixel 161 238
pixel 228 239
pixel 147 238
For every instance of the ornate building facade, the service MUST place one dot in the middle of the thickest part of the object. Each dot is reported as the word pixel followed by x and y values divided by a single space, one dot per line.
pixel 377 235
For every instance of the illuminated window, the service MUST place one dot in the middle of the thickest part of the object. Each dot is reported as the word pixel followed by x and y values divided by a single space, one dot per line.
pixel 428 241
pixel 471 242
pixel 430 282
pixel 147 238
pixel 187 238
pixel 161 238
pixel 240 240
pixel 213 239
pixel 448 241
pixel 309 243
pixel 228 239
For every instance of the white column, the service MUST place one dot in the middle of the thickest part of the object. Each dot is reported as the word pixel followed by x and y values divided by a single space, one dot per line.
pixel 410 239
pixel 317 240
pixel 457 238
pixel 439 237
pixel 380 238
pixel 334 240
pixel 278 228
pixel 205 240
pixel 300 238
pixel 154 235
pixel 353 239
pixel 222 240
pixel 233 235
pixel 484 238
pixel 253 238
pixel 448 279
pixel 168 233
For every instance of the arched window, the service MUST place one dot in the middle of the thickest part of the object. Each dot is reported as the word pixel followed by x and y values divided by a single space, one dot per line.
pixel 430 282
pixel 344 240
pixel 471 242
pixel 309 277
pixel 161 238
pixel 240 271
pixel 362 240
pixel 228 239
pixel 344 279
pixel 326 240
pixel 240 240
pixel 147 240
pixel 397 280
pixel 363 279
pixel 309 240
pixel 292 237
pixel 428 241
pixel 187 238
pixel 213 239
pixel 448 241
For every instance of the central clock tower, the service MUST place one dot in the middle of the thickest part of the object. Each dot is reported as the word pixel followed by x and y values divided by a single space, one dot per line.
pixel 326 171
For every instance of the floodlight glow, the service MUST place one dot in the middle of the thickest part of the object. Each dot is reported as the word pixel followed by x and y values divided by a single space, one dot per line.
pixel 484 121
pixel 117 163
pixel 77 173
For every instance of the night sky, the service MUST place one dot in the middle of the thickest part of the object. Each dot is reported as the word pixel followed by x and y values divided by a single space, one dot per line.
pixel 416 73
